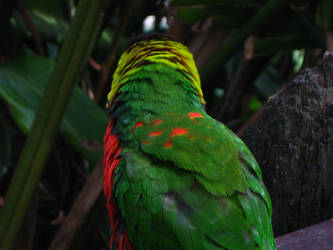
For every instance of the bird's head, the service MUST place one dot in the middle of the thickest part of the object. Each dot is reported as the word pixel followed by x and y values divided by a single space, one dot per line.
pixel 148 50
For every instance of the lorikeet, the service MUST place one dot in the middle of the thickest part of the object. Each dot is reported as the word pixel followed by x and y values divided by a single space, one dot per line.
pixel 175 178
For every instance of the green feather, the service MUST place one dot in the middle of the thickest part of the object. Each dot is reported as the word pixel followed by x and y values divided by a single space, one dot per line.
pixel 184 182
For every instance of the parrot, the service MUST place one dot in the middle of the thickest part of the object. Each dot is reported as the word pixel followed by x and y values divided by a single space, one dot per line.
pixel 174 177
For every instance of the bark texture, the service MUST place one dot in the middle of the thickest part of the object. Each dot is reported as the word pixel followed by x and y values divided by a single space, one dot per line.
pixel 293 143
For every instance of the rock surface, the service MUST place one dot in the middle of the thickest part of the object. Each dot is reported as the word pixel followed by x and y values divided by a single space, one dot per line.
pixel 293 143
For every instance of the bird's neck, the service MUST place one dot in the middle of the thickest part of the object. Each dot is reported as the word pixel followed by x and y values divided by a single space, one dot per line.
pixel 154 90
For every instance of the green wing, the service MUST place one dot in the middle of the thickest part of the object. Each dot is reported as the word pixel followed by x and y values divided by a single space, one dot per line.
pixel 192 184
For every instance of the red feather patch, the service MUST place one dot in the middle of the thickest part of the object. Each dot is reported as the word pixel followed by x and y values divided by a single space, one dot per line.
pixel 178 131
pixel 157 122
pixel 112 149
pixel 155 133
pixel 194 115
pixel 138 124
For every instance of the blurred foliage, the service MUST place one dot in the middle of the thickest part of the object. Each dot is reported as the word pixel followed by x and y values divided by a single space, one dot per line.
pixel 22 85
pixel 245 50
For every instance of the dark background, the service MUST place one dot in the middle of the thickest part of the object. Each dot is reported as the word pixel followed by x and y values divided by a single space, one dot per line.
pixel 247 51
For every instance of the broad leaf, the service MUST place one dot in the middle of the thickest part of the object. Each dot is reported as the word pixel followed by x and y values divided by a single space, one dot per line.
pixel 49 18
pixel 22 84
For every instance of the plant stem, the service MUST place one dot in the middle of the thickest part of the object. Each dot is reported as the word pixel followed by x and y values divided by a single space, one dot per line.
pixel 73 56
pixel 79 211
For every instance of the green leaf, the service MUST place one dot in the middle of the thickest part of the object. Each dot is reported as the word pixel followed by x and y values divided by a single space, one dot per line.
pixel 73 55
pixel 222 2
pixel 254 104
pixel 224 16
pixel 284 43
pixel 52 25
pixel 259 21
pixel 288 23
pixel 48 17
pixel 22 85
pixel 229 22
pixel 54 8
pixel 324 15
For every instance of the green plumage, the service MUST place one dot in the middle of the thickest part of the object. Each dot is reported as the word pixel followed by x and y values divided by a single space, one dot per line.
pixel 185 181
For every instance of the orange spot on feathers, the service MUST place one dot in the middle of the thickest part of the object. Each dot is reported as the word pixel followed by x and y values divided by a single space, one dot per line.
pixel 178 131
pixel 156 133
pixel 194 115
pixel 157 122
pixel 138 124
pixel 168 144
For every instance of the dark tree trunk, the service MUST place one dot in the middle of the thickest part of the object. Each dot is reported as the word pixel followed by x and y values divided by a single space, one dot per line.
pixel 293 143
